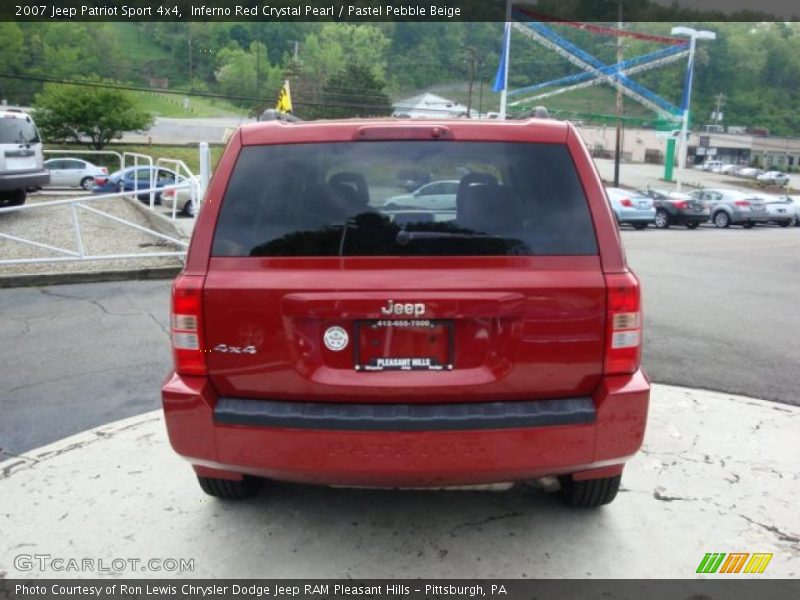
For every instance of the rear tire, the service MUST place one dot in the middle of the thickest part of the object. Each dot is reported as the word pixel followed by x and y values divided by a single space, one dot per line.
pixel 693 225
pixel 230 489
pixel 722 220
pixel 14 197
pixel 589 493
pixel 187 210
pixel 785 223
pixel 87 183
pixel 662 219
pixel 748 225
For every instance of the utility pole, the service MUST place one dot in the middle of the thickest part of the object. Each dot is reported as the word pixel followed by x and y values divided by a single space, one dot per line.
pixel 258 62
pixel 618 143
pixel 191 78
pixel 472 58
pixel 718 110
pixel 480 92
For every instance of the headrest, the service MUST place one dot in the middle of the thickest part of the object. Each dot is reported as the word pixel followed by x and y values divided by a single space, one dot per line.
pixel 354 181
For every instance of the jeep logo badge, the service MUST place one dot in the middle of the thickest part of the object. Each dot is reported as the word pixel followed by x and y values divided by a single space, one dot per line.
pixel 416 309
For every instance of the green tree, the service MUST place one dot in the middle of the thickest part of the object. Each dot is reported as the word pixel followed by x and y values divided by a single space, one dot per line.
pixel 248 73
pixel 353 92
pixel 75 113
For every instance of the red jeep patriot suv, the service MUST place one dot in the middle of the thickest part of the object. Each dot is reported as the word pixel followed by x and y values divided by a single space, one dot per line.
pixel 331 327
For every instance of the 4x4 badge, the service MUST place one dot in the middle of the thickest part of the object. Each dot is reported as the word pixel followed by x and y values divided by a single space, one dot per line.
pixel 235 349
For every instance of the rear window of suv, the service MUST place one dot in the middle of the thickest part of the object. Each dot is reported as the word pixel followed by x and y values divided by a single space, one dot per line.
pixel 344 199
pixel 18 131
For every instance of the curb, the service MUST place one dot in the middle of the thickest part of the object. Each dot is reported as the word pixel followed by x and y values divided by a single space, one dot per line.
pixel 160 223
pixel 46 279
pixel 156 221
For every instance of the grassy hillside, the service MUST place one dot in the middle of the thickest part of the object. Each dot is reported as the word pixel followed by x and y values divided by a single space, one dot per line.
pixel 598 99
pixel 171 105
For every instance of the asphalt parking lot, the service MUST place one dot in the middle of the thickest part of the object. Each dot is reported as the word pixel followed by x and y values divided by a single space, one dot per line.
pixel 721 313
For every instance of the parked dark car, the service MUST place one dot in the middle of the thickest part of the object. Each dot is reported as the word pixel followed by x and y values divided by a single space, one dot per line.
pixel 135 178
pixel 673 208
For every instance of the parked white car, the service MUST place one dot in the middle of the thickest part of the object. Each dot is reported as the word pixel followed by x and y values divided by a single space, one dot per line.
pixel 792 206
pixel 779 210
pixel 436 195
pixel 751 172
pixel 179 200
pixel 73 172
pixel 711 165
pixel 774 178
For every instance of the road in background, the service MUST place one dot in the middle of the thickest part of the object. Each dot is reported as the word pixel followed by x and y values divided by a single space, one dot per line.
pixel 640 175
pixel 720 311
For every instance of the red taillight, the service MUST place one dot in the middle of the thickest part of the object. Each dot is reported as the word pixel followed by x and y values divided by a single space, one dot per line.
pixel 168 193
pixel 742 203
pixel 186 325
pixel 624 325
pixel 100 180
pixel 681 204
pixel 626 202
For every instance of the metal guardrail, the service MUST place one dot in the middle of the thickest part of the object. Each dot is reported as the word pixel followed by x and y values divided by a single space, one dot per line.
pixel 185 180
pixel 79 252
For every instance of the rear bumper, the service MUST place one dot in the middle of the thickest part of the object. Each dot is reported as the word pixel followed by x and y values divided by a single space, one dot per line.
pixel 682 218
pixel 23 180
pixel 636 216
pixel 750 218
pixel 389 445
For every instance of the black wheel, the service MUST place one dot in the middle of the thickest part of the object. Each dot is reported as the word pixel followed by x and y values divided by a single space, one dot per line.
pixel 639 226
pixel 188 209
pixel 14 197
pixel 748 225
pixel 87 183
pixel 722 220
pixel 785 223
pixel 229 489
pixel 662 219
pixel 589 493
pixel 693 225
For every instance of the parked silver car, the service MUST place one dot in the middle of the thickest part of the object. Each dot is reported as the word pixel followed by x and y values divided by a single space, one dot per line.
pixel 73 172
pixel 733 207
pixel 773 178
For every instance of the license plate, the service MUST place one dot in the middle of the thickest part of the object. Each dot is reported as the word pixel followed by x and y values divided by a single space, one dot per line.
pixel 404 345
pixel 16 163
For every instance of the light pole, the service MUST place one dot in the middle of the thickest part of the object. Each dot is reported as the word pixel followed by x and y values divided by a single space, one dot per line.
pixel 693 36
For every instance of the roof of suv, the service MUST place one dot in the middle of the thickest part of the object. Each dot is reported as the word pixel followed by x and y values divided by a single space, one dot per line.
pixel 278 132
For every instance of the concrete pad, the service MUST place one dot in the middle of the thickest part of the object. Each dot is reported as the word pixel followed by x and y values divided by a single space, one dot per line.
pixel 718 473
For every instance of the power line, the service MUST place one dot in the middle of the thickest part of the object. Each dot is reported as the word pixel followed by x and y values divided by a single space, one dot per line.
pixel 97 84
